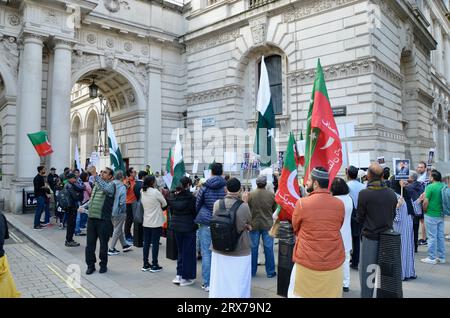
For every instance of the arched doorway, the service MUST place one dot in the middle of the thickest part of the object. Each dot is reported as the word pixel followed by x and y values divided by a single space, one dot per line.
pixel 75 139
pixel 118 100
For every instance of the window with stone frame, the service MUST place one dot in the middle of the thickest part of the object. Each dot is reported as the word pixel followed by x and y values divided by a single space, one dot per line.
pixel 274 71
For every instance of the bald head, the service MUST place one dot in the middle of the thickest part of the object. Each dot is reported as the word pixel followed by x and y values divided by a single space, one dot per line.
pixel 375 171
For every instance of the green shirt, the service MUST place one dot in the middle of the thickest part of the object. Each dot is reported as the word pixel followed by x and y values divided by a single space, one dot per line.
pixel 433 194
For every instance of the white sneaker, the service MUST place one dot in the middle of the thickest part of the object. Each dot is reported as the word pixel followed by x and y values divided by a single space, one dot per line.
pixel 429 261
pixel 187 282
pixel 447 237
pixel 206 289
pixel 441 260
pixel 177 279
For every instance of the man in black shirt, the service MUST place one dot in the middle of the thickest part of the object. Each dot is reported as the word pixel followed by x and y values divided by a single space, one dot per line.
pixel 40 192
pixel 52 180
pixel 376 212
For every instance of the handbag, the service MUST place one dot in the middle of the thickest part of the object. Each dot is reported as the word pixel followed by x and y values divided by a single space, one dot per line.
pixel 274 229
pixel 138 213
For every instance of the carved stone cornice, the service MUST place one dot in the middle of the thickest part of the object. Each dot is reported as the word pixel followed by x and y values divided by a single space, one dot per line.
pixel 314 7
pixel 212 41
pixel 216 94
pixel 370 65
pixel 420 95
pixel 391 135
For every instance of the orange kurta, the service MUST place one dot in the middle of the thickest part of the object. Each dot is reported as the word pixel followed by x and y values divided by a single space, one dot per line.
pixel 317 221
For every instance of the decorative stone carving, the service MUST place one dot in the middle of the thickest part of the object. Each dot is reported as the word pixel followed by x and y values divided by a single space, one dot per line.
pixel 130 97
pixel 128 46
pixel 13 20
pixel 91 38
pixel 213 41
pixel 81 60
pixel 145 50
pixel 110 43
pixel 139 72
pixel 357 67
pixel 109 59
pixel 9 54
pixel 386 9
pixel 51 17
pixel 212 95
pixel 314 7
pixel 114 5
pixel 258 28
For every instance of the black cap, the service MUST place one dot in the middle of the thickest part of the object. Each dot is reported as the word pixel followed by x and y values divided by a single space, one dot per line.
pixel 52 169
pixel 353 170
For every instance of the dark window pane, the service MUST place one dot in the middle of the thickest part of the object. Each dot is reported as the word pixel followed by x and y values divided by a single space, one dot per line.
pixel 273 65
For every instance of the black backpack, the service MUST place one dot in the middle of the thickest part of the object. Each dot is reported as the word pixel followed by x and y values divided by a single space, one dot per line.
pixel 64 198
pixel 224 235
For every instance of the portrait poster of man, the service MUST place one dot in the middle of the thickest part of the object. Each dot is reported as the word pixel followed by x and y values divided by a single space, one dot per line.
pixel 381 161
pixel 401 169
pixel 430 157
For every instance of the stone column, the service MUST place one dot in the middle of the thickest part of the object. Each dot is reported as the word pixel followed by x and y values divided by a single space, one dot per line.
pixel 447 57
pixel 29 105
pixel 438 38
pixel 154 122
pixel 60 106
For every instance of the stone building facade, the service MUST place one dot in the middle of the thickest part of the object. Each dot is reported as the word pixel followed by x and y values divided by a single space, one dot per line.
pixel 162 65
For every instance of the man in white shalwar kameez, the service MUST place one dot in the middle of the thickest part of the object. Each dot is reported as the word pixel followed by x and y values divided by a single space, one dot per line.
pixel 231 271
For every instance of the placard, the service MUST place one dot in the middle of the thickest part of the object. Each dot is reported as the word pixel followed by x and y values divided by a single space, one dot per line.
pixel 195 167
pixel 168 180
pixel 253 183
pixel 381 161
pixel 359 159
pixel 401 169
pixel 430 157
pixel 207 174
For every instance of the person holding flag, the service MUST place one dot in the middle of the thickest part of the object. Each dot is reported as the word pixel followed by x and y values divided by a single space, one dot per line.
pixel 175 165
pixel 323 145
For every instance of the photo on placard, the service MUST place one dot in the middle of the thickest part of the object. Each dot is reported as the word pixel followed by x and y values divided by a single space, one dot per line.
pixel 401 169
pixel 430 157
pixel 381 160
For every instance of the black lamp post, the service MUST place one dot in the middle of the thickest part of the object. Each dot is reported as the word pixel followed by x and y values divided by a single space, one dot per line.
pixel 103 114
pixel 93 90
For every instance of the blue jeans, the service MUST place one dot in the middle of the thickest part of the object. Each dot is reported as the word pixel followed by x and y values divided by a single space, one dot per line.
pixel 42 204
pixel 204 233
pixel 81 222
pixel 268 251
pixel 435 235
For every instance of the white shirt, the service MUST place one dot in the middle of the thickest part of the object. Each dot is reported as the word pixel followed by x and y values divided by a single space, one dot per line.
pixel 346 230
pixel 153 201
pixel 355 187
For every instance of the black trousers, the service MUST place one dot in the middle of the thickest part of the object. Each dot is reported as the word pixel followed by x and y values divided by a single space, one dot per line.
pixel 416 223
pixel 128 221
pixel 151 236
pixel 71 223
pixel 356 240
pixel 101 230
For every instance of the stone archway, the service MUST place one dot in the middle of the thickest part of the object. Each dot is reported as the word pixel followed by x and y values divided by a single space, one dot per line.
pixel 121 99
pixel 75 138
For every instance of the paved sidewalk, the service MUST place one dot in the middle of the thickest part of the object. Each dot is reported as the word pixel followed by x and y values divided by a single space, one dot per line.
pixel 125 278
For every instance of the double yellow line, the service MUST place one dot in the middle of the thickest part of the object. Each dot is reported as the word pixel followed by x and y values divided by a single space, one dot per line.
pixel 61 274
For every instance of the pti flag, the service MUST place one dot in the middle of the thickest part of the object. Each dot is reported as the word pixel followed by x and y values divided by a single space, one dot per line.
pixel 114 151
pixel 323 146
pixel 288 190
pixel 40 143
pixel 265 137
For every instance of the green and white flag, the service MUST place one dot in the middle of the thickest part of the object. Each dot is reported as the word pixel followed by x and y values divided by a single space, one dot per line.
pixel 114 151
pixel 177 164
pixel 265 131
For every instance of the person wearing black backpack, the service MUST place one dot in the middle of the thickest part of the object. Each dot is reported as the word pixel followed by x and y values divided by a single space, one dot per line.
pixel 76 194
pixel 231 271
